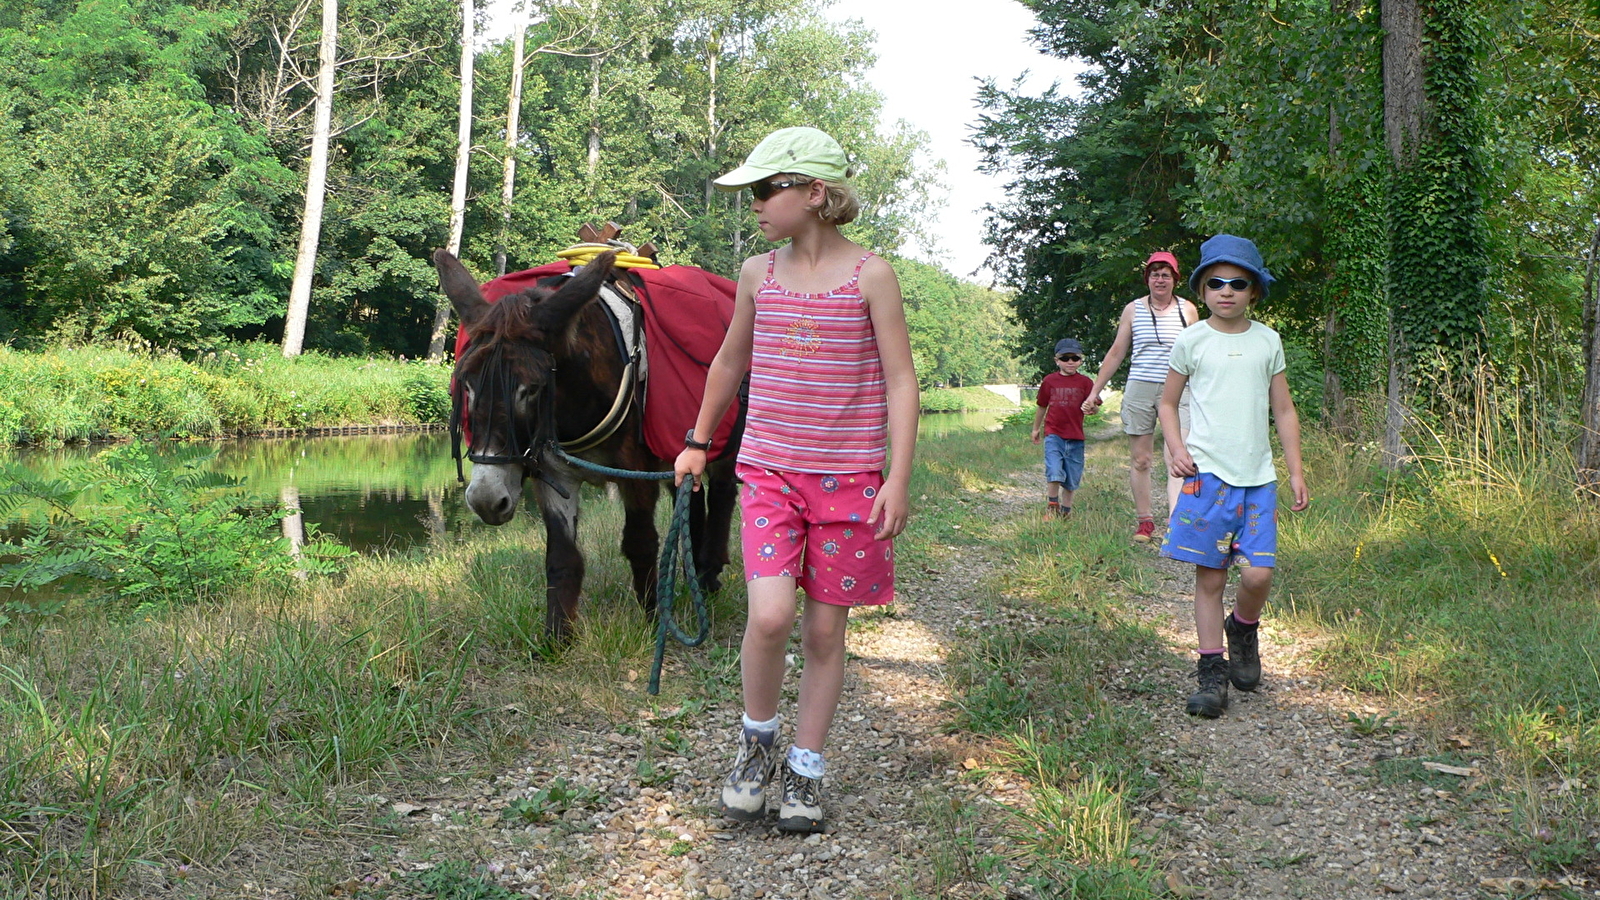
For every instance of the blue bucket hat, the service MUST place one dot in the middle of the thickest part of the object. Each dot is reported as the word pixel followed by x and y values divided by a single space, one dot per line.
pixel 1226 248
pixel 1068 345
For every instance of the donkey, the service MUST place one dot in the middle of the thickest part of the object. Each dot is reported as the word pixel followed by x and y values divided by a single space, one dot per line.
pixel 543 368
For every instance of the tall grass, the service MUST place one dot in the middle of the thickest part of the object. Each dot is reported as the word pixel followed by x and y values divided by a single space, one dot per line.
pixel 103 393
pixel 129 749
pixel 1464 590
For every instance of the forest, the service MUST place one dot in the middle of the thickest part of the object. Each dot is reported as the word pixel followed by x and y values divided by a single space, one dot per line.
pixel 1422 177
pixel 155 154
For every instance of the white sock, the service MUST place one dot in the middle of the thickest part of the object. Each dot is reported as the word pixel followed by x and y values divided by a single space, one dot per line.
pixel 806 762
pixel 767 730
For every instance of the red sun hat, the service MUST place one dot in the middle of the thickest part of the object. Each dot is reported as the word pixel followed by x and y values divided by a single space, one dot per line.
pixel 1162 256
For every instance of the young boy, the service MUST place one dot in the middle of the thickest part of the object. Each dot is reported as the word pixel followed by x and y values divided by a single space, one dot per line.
pixel 1227 509
pixel 1059 420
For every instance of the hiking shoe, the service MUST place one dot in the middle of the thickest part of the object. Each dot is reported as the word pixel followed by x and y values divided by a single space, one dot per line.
pixel 802 803
pixel 1147 527
pixel 1052 511
pixel 1244 654
pixel 744 791
pixel 1212 698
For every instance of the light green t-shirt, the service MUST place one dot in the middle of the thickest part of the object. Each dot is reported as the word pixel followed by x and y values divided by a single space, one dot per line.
pixel 1230 376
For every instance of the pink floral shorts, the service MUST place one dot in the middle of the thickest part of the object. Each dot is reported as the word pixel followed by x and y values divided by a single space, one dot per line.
pixel 814 529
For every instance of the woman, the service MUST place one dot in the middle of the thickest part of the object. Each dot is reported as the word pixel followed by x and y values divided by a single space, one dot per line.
pixel 1148 326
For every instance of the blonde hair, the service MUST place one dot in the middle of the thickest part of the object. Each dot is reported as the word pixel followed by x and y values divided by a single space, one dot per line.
pixel 840 205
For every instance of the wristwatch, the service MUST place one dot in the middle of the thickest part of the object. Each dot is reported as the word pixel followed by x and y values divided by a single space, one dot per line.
pixel 689 441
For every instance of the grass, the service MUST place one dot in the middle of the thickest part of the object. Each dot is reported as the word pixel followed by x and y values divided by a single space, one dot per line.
pixel 112 393
pixel 129 749
pixel 1035 697
pixel 1459 597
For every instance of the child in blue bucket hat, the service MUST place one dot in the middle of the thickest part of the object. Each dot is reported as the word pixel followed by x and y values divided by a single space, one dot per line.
pixel 1227 510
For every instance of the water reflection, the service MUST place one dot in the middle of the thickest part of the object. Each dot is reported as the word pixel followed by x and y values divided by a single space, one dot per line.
pixel 375 493
pixel 940 424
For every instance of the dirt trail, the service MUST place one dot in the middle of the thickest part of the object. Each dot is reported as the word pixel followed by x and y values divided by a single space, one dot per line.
pixel 1287 799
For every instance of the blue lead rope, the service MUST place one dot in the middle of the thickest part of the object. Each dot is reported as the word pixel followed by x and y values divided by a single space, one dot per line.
pixel 677 551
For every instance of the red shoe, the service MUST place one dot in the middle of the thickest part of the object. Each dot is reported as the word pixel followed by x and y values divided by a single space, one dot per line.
pixel 1147 527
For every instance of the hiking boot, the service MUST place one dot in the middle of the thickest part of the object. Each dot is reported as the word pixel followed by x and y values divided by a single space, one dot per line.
pixel 1052 510
pixel 1212 698
pixel 1244 654
pixel 1147 527
pixel 744 791
pixel 802 803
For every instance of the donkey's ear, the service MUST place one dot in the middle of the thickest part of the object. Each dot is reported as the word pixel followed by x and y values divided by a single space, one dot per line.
pixel 462 289
pixel 579 289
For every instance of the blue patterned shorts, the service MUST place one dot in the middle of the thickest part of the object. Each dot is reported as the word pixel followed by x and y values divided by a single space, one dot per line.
pixel 1216 524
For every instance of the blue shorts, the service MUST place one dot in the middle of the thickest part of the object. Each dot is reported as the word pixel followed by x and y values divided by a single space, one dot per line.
pixel 1216 524
pixel 1063 461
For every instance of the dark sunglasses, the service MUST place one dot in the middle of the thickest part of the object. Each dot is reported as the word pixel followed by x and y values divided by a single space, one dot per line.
pixel 1069 358
pixel 1238 284
pixel 765 189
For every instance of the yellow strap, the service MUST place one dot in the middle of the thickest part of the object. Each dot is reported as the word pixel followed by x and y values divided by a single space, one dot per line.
pixel 582 254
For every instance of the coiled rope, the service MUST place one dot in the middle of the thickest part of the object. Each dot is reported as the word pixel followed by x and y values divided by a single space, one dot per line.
pixel 677 551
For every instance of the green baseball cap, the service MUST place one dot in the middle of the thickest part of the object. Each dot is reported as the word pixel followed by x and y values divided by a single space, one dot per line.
pixel 803 151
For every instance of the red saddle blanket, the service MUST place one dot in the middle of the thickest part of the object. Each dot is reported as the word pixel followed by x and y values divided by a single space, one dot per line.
pixel 686 315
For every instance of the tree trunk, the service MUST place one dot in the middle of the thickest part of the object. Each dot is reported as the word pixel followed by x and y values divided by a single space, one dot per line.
pixel 513 113
pixel 458 195
pixel 305 261
pixel 594 134
pixel 1333 399
pixel 1403 105
pixel 1589 443
pixel 293 525
pixel 713 56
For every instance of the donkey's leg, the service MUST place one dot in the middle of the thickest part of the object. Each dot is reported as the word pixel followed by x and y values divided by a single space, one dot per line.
pixel 640 540
pixel 711 538
pixel 563 561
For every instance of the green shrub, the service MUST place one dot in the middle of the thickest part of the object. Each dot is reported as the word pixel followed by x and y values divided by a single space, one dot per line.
pixel 427 395
pixel 148 533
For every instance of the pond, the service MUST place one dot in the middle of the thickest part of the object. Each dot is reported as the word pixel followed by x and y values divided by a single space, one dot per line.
pixel 374 493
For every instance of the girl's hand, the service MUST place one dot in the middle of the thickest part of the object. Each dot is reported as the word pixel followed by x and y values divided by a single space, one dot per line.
pixel 890 512
pixel 691 462
pixel 1182 464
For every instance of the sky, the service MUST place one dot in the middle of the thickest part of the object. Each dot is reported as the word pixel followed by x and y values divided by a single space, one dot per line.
pixel 929 63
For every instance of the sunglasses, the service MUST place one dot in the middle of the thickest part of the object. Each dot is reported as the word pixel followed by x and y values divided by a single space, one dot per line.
pixel 1069 358
pixel 1238 284
pixel 765 189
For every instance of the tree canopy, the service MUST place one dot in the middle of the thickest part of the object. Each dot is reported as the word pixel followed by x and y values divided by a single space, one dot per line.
pixel 152 154
pixel 1269 121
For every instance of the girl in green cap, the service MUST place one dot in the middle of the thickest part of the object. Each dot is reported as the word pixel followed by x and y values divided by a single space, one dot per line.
pixel 819 326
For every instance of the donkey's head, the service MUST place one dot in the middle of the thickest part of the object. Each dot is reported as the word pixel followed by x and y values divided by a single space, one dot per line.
pixel 502 379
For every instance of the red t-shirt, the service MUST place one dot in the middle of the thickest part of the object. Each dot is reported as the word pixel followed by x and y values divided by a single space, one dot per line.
pixel 1064 395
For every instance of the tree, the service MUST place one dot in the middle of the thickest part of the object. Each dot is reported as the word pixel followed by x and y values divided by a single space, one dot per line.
pixel 458 191
pixel 305 261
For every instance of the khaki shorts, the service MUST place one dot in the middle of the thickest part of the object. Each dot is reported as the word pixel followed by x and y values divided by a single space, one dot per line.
pixel 1139 400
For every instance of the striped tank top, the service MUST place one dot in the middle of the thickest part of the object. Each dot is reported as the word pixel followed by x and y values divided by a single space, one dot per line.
pixel 818 398
pixel 1153 334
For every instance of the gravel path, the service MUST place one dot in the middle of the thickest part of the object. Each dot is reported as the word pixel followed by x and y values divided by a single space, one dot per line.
pixel 1287 797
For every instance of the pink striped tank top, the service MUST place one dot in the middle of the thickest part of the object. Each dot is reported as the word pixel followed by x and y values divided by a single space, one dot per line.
pixel 818 399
